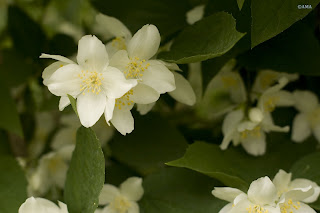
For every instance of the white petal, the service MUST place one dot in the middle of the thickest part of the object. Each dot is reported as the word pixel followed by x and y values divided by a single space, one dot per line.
pixel 90 107
pixel 159 77
pixel 305 183
pixel 316 132
pixel 143 94
pixel 143 109
pixel 255 145
pixel 63 207
pixel 132 188
pixel 183 92
pixel 226 193
pixel 108 193
pixel 171 66
pixel 284 98
pixel 63 103
pixel 282 180
pixel 305 101
pixel 268 125
pixel 195 14
pixel 109 209
pixel 301 129
pixel 304 208
pixel 113 26
pixel 299 194
pixel 115 84
pixel 120 60
pixel 65 81
pixel 134 208
pixel 226 208
pixel 49 70
pixel 232 120
pixel 32 205
pixel 92 53
pixel 57 57
pixel 145 43
pixel 110 102
pixel 123 121
pixel 262 191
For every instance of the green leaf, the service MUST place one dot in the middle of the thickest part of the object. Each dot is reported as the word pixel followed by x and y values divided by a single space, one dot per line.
pixel 73 102
pixel 9 115
pixel 169 16
pixel 27 35
pixel 179 191
pixel 236 168
pixel 271 17
pixel 13 185
pixel 295 51
pixel 85 177
pixel 240 3
pixel 308 167
pixel 152 143
pixel 208 38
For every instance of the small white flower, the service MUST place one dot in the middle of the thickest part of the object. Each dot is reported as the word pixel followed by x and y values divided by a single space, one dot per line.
pixel 93 82
pixel 41 205
pixel 195 14
pixel 260 198
pixel 124 199
pixel 308 119
pixel 249 132
pixel 293 194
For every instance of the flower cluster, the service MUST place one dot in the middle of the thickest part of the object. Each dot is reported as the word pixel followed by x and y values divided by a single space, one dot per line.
pixel 282 195
pixel 111 79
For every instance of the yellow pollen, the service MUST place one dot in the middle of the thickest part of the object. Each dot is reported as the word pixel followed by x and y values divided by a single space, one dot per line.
pixel 289 206
pixel 91 81
pixel 120 204
pixel 256 209
pixel 229 81
pixel 251 133
pixel 124 100
pixel 61 65
pixel 270 104
pixel 136 68
pixel 119 43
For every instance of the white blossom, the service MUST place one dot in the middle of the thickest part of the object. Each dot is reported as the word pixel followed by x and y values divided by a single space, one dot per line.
pixel 41 205
pixel 123 199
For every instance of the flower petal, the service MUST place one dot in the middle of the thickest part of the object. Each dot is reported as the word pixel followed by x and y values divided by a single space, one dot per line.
pixel 113 26
pixel 108 193
pixel 145 43
pixel 255 145
pixel 226 208
pixel 63 207
pixel 143 94
pixel 195 14
pixel 49 70
pixel 301 129
pixel 305 101
pixel 134 208
pixel 304 208
pixel 316 132
pixel 262 191
pixel 183 92
pixel 159 77
pixel 232 120
pixel 299 194
pixel 305 183
pixel 65 81
pixel 92 53
pixel 143 109
pixel 57 57
pixel 90 107
pixel 120 60
pixel 226 193
pixel 123 121
pixel 115 84
pixel 109 109
pixel 32 205
pixel 282 180
pixel 64 102
pixel 132 188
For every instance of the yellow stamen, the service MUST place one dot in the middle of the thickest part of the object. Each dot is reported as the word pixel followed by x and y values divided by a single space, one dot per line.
pixel 119 43
pixel 289 206
pixel 91 81
pixel 120 204
pixel 251 133
pixel 124 100
pixel 136 68
pixel 256 209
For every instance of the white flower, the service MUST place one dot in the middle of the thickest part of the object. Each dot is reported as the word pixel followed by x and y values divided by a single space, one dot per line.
pixel 295 193
pixel 93 82
pixel 260 198
pixel 249 132
pixel 275 96
pixel 195 14
pixel 41 205
pixel 308 119
pixel 124 199
pixel 50 172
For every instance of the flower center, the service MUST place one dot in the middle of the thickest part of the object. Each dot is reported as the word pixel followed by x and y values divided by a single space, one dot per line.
pixel 256 209
pixel 119 43
pixel 251 133
pixel 91 82
pixel 270 104
pixel 289 206
pixel 124 101
pixel 135 68
pixel 120 204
